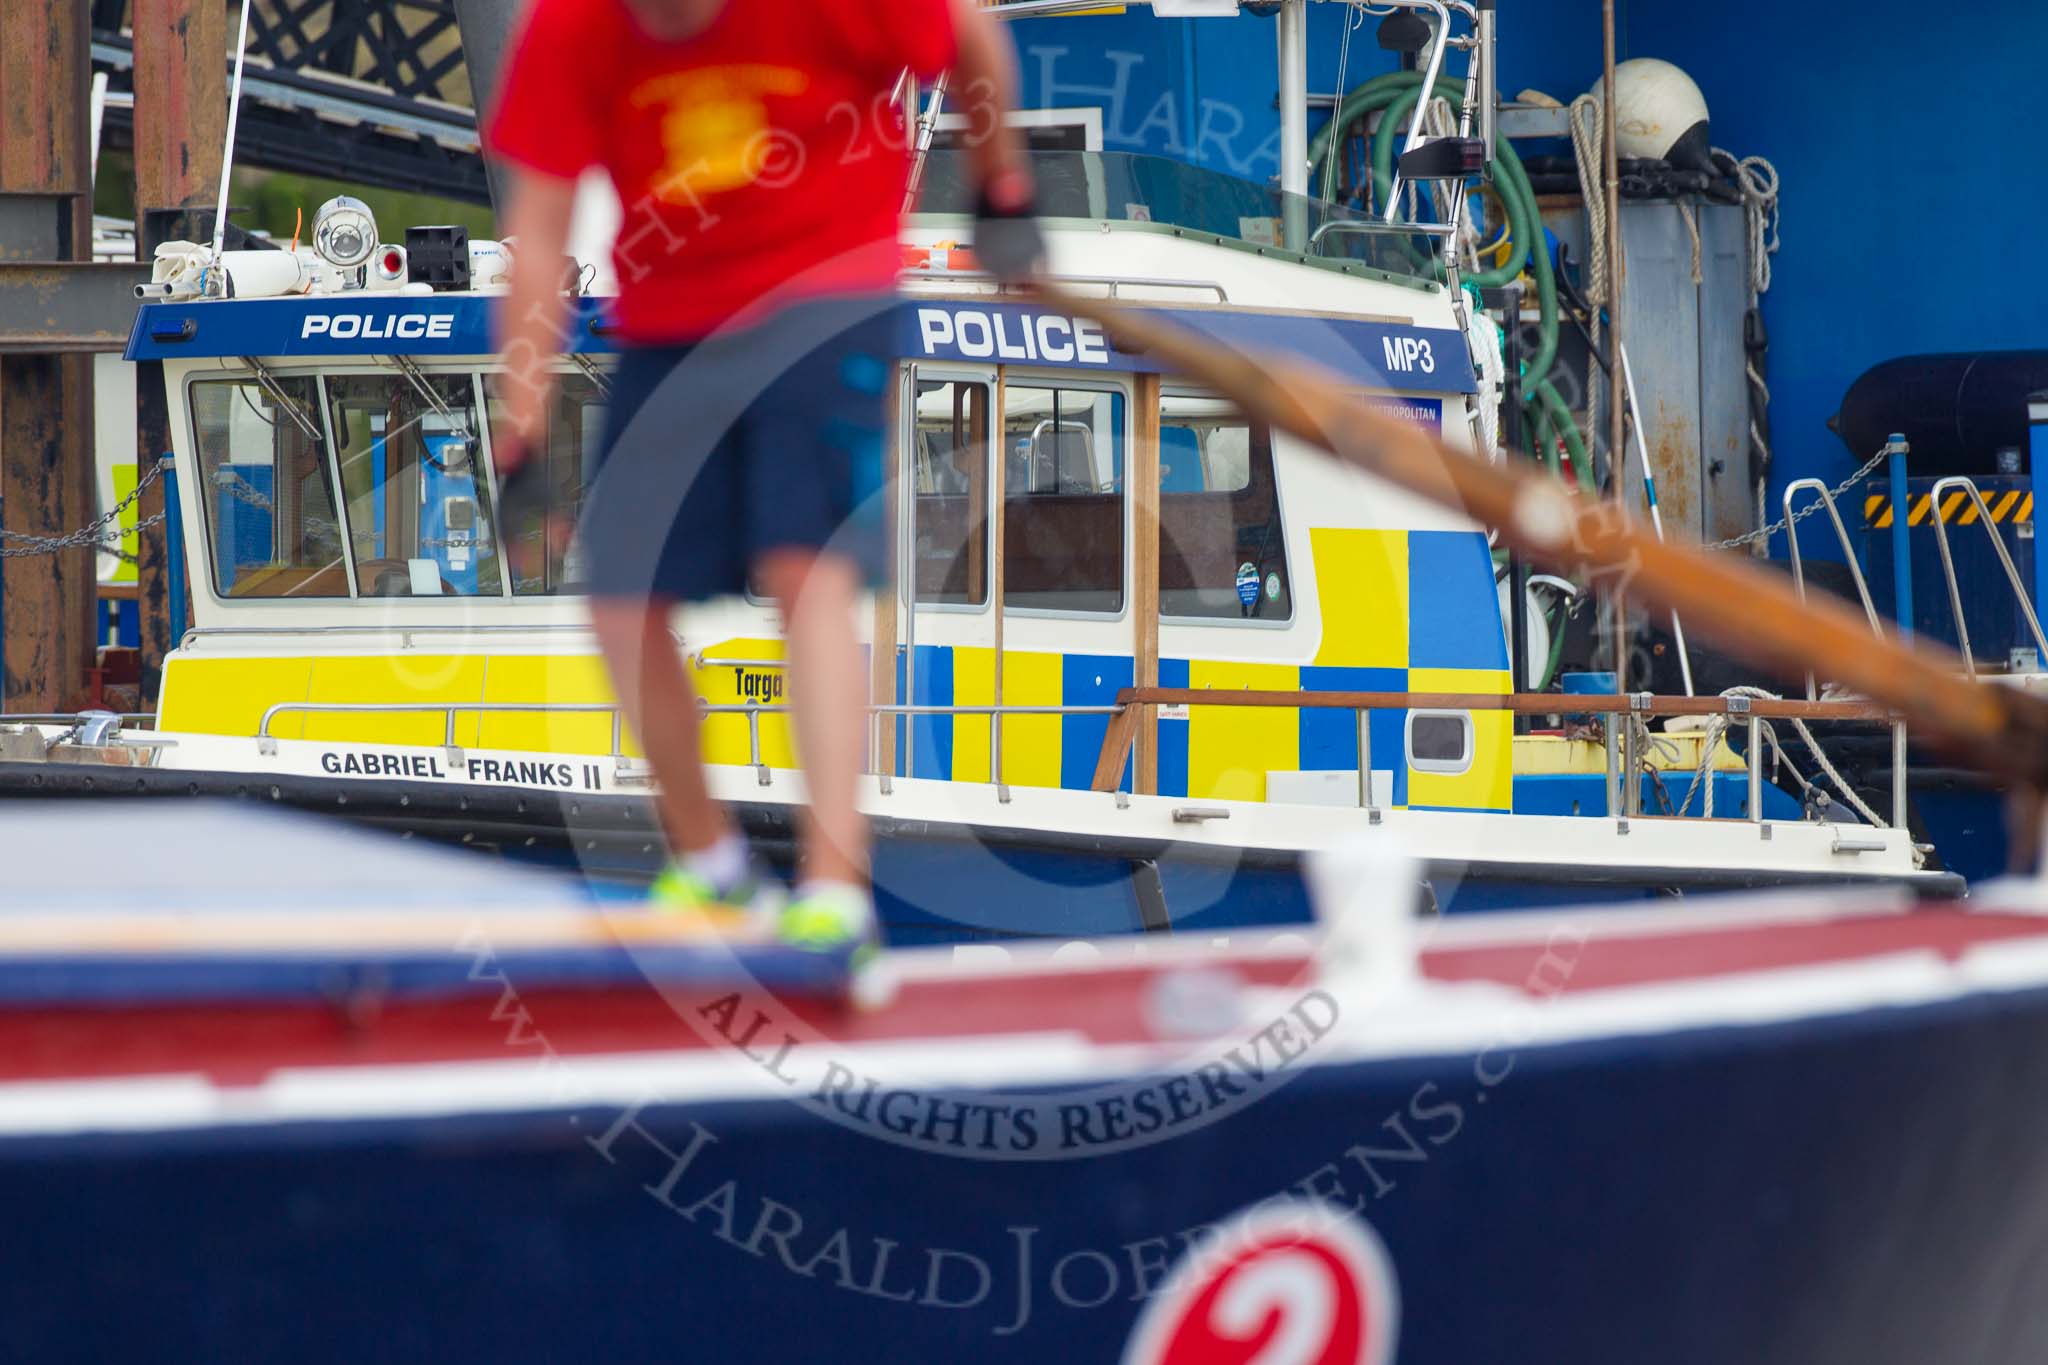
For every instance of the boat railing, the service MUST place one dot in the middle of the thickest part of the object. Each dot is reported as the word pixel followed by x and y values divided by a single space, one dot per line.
pixel 405 632
pixel 1622 798
pixel 1948 565
pixel 450 712
pixel 1420 116
pixel 995 715
pixel 1827 502
pixel 1339 226
pixel 1133 705
pixel 78 718
pixel 1114 285
pixel 1162 194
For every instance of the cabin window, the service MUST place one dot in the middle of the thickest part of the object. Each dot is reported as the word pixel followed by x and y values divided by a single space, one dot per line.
pixel 1440 741
pixel 950 457
pixel 569 455
pixel 263 481
pixel 1063 498
pixel 419 514
pixel 1222 552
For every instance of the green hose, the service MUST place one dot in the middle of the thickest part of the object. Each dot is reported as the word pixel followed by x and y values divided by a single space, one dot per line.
pixel 1393 94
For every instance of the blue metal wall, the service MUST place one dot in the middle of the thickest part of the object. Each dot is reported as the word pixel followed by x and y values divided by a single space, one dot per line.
pixel 1902 133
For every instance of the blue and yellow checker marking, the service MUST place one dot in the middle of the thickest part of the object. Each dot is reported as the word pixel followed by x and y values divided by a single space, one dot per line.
pixel 1443 638
pixel 1403 611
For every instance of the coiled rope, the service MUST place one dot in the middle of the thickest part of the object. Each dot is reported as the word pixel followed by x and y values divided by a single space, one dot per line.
pixel 1585 116
pixel 1717 728
pixel 1757 179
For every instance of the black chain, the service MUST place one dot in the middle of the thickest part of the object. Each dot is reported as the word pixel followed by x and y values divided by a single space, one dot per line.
pixel 92 535
pixel 1784 523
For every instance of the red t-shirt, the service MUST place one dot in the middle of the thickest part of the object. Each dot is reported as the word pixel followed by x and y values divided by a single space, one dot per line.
pixel 761 154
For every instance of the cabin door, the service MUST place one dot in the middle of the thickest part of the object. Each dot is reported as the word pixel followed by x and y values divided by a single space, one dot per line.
pixel 946 588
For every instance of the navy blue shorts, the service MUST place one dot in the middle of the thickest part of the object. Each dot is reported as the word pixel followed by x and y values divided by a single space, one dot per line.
pixel 718 452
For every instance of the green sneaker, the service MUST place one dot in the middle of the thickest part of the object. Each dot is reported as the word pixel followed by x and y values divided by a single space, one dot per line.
pixel 679 891
pixel 829 920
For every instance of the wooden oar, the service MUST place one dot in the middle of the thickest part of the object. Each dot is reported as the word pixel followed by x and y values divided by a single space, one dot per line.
pixel 1754 615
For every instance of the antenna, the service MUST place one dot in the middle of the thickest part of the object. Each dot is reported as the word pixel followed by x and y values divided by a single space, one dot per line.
pixel 227 152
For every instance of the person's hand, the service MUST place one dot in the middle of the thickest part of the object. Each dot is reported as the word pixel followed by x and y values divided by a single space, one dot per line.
pixel 525 523
pixel 1007 239
pixel 510 450
pixel 522 484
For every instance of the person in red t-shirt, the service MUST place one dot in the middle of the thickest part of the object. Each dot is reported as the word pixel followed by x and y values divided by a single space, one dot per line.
pixel 757 148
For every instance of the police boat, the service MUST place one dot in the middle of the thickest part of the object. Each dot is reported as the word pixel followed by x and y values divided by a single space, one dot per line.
pixel 1139 656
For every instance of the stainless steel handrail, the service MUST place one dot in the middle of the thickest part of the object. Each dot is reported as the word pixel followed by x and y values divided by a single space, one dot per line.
pixel 72 718
pixel 700 661
pixel 1115 283
pixel 1827 499
pixel 463 628
pixel 1948 566
pixel 266 742
pixel 1338 226
pixel 1112 282
pixel 996 714
pixel 1428 92
pixel 1621 747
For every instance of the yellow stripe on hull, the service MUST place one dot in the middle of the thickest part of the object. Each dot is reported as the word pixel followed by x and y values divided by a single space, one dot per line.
pixel 1362 581
pixel 1031 744
pixel 229 696
pixel 1232 748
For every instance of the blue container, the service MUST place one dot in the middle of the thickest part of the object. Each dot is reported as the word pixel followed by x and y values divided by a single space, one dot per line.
pixel 1586 685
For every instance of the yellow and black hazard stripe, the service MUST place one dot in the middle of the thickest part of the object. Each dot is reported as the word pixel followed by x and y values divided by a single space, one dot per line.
pixel 2013 506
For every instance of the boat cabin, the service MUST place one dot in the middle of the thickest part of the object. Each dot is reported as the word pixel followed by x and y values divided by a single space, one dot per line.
pixel 1076 523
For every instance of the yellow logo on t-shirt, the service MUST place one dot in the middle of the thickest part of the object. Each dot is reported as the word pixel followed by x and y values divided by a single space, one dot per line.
pixel 715 130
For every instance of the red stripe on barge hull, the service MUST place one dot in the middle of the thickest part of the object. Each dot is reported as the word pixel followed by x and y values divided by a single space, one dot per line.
pixel 241 1044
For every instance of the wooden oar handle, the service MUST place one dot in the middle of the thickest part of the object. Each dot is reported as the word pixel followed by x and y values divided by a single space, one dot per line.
pixel 1754 615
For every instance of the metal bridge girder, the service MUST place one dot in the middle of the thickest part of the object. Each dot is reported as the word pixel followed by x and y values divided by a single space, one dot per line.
pixel 408 48
pixel 376 92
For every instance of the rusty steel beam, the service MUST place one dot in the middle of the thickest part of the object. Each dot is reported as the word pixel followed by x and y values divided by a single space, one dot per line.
pixel 67 307
pixel 45 66
pixel 47 487
pixel 181 112
pixel 181 103
pixel 35 226
pixel 47 617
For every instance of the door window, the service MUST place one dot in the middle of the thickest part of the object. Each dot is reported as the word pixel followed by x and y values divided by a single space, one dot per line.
pixel 1063 503
pixel 1222 552
pixel 950 459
